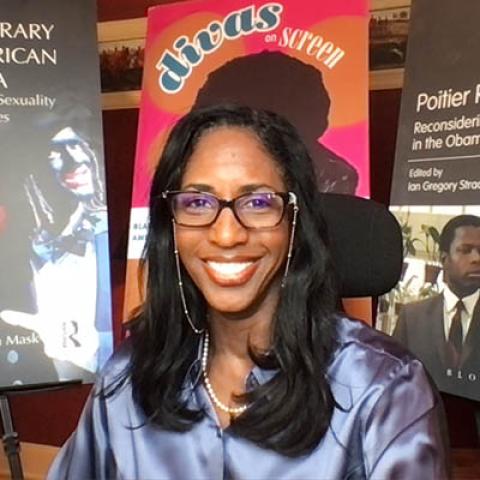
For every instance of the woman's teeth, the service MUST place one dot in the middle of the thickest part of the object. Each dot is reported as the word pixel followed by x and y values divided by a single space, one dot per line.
pixel 229 269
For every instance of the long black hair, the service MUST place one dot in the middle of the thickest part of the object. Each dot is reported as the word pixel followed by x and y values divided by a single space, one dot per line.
pixel 290 413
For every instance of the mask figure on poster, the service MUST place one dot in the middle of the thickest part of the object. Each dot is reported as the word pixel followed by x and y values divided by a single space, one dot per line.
pixel 69 243
pixel 21 350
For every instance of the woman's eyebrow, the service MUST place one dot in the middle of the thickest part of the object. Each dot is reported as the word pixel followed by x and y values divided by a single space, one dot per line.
pixel 201 187
pixel 252 187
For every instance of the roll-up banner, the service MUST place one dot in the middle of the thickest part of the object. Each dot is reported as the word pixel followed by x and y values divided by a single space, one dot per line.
pixel 305 60
pixel 435 309
pixel 55 303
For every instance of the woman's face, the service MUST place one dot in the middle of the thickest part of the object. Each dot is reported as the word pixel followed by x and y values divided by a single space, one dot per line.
pixel 237 269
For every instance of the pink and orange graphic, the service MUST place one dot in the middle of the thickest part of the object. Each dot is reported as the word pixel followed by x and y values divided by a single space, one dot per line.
pixel 306 60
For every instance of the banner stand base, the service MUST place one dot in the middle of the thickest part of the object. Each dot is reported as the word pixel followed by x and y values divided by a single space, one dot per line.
pixel 11 442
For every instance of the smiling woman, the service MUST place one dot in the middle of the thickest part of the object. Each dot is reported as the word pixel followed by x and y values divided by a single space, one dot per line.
pixel 228 162
pixel 238 365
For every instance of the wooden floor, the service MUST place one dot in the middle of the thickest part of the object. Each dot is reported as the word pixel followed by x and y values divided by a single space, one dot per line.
pixel 35 461
pixel 37 458
pixel 466 464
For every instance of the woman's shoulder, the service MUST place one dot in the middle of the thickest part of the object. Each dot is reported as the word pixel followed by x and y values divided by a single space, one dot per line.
pixel 358 338
pixel 117 365
pixel 368 362
pixel 385 401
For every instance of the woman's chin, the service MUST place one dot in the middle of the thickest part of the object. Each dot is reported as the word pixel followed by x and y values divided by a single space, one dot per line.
pixel 233 301
pixel 244 299
pixel 230 307
pixel 240 302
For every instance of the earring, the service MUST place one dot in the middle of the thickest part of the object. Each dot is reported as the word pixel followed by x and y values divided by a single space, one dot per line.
pixel 180 283
pixel 291 201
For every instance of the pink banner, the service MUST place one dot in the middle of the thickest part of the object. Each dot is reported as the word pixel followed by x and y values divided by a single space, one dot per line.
pixel 305 60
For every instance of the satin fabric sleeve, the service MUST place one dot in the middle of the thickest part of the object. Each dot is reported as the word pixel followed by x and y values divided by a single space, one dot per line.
pixel 405 431
pixel 86 454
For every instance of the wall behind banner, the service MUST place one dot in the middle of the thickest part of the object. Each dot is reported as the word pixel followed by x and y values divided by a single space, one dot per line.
pixel 50 417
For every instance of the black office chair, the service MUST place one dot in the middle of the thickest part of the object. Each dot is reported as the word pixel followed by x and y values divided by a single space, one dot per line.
pixel 365 242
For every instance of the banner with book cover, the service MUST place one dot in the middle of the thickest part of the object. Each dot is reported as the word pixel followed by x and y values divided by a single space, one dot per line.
pixel 435 309
pixel 304 60
pixel 55 303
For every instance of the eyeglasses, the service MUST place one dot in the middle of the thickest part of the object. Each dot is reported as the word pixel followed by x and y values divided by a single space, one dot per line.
pixel 252 210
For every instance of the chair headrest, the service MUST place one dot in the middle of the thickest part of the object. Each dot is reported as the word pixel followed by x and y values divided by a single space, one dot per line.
pixel 365 241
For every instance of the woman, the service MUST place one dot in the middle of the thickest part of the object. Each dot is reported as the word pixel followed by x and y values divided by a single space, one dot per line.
pixel 240 367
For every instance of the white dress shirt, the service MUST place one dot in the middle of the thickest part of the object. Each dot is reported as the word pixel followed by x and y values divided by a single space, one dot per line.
pixel 450 307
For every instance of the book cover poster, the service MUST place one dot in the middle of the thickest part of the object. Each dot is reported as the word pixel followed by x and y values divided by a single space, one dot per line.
pixel 435 309
pixel 55 304
pixel 304 60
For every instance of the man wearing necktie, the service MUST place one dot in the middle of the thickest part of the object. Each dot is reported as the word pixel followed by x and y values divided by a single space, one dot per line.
pixel 444 330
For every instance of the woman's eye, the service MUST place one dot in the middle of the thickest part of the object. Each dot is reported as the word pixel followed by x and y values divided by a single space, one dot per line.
pixel 197 203
pixel 258 202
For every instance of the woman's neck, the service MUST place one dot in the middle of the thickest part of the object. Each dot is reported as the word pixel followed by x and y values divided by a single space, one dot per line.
pixel 229 362
pixel 231 335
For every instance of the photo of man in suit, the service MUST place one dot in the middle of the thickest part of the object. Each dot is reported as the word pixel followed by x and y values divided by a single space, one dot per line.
pixel 443 331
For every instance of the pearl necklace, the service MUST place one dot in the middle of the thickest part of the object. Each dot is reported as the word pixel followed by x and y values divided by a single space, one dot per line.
pixel 208 385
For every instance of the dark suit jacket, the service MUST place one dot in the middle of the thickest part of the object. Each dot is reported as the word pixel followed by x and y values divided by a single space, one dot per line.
pixel 420 328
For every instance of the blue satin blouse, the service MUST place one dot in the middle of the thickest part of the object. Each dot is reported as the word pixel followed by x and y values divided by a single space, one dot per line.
pixel 388 426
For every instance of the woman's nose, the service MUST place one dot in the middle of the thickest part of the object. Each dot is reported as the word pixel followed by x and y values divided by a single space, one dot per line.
pixel 227 231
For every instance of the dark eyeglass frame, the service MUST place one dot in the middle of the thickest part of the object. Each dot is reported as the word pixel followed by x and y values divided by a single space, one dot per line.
pixel 289 198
